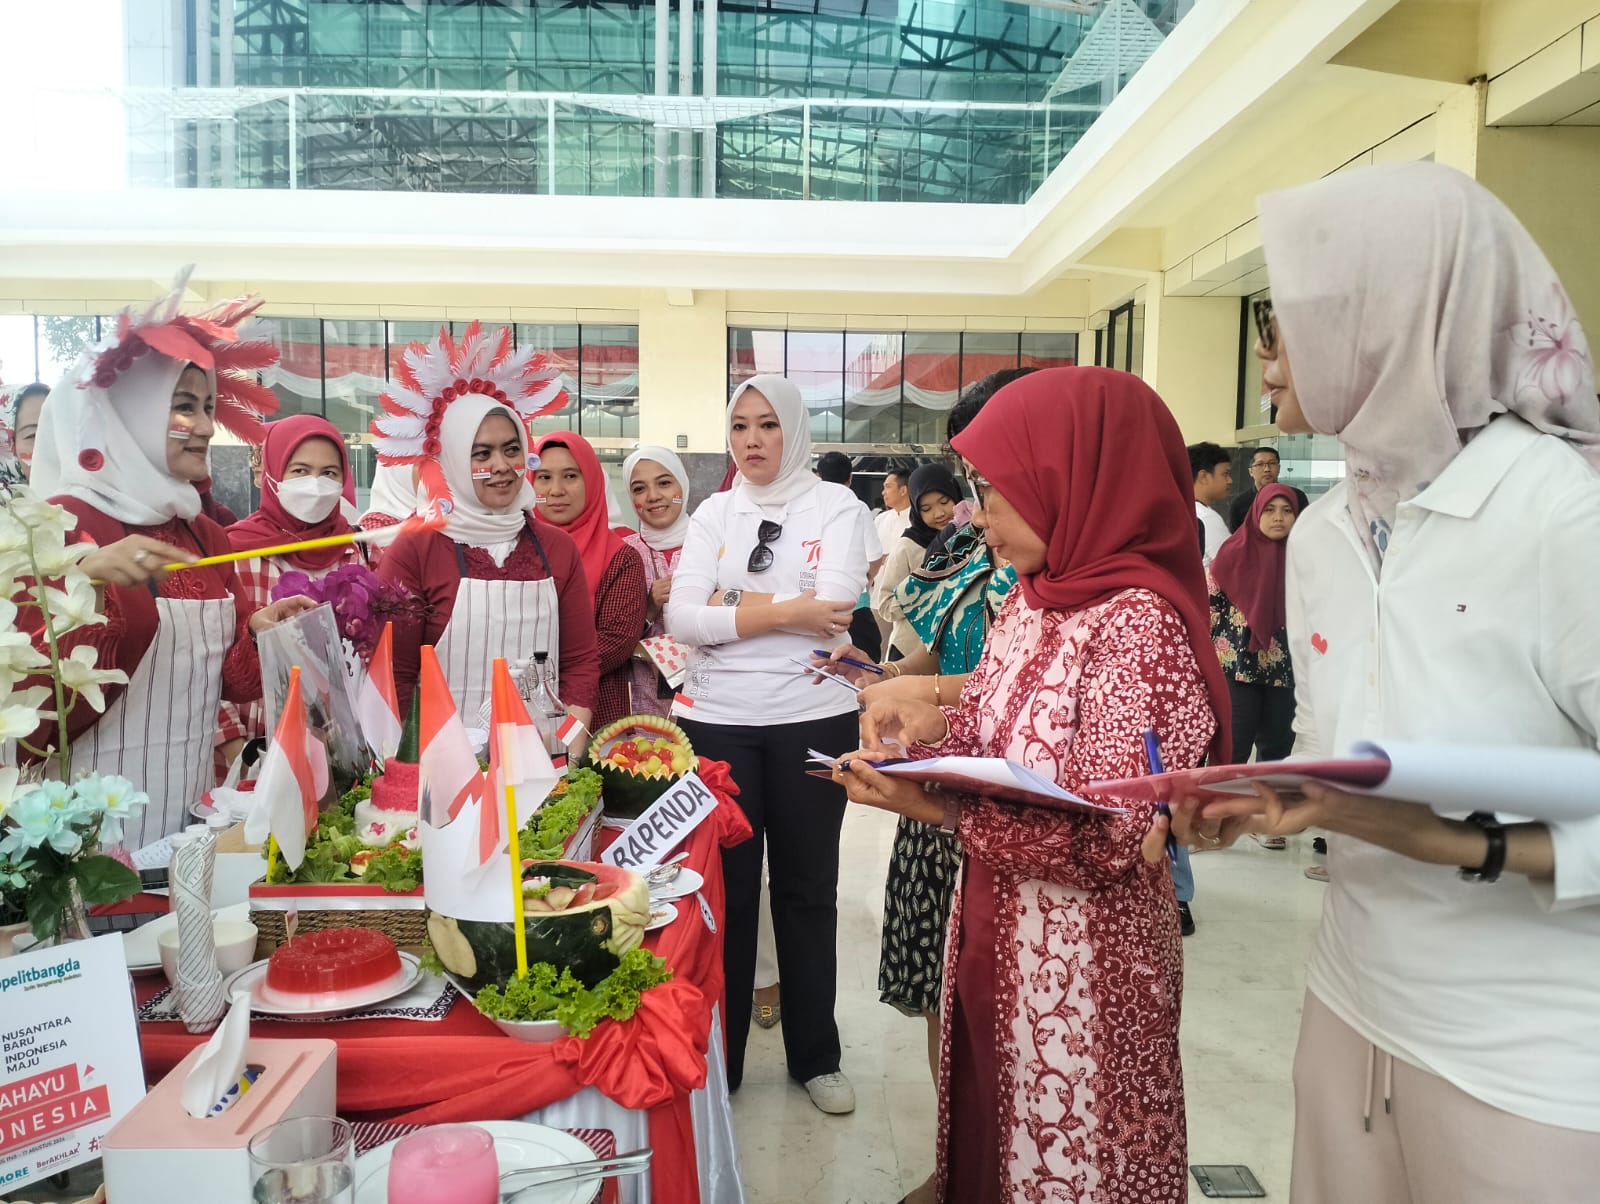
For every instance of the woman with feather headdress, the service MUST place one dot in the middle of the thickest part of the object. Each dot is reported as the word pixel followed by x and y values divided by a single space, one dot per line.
pixel 122 446
pixel 488 582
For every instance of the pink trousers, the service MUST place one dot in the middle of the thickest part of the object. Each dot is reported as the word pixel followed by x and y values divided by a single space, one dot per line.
pixel 1432 1144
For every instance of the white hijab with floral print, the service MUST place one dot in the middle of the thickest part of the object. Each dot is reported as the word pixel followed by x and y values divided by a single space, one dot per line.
pixel 1414 309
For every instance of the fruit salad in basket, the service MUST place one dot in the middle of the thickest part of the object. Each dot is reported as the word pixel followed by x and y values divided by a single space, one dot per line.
pixel 639 758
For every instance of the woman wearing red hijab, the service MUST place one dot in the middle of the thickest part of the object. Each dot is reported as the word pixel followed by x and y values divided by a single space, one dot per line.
pixel 1059 1062
pixel 305 475
pixel 571 489
pixel 1246 582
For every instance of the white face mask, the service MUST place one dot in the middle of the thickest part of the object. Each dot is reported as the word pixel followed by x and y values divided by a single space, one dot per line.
pixel 310 499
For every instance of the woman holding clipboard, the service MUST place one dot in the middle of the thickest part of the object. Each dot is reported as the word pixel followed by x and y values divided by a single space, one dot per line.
pixel 1062 937
pixel 1448 1049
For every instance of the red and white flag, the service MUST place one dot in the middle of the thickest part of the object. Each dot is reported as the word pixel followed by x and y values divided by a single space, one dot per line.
pixel 447 769
pixel 378 704
pixel 682 703
pixel 293 779
pixel 569 729
pixel 518 765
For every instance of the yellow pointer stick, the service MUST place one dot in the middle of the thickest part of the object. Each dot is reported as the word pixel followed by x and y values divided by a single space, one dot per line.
pixel 283 549
pixel 520 933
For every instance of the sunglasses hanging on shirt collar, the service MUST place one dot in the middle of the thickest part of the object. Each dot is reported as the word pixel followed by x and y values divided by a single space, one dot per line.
pixel 761 556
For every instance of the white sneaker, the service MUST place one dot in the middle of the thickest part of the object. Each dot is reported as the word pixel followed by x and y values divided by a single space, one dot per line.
pixel 1272 842
pixel 832 1093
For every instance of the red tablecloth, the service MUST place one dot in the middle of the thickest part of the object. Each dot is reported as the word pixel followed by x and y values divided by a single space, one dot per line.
pixel 463 1069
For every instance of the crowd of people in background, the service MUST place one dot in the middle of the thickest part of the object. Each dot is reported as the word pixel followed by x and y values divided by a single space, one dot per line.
pixel 1012 598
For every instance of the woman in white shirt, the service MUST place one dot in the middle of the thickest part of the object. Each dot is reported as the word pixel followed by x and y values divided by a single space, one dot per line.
pixel 1443 593
pixel 770 569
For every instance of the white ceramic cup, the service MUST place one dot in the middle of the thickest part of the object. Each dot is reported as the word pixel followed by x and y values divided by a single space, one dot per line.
pixel 235 941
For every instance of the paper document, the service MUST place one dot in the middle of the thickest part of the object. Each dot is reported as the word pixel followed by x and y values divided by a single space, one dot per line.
pixel 1546 784
pixel 992 777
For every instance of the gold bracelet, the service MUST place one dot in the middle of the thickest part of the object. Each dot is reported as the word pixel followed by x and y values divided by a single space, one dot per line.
pixel 946 735
pixel 892 669
pixel 938 694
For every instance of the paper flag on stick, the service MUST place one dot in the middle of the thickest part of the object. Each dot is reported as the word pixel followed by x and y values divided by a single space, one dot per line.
pixel 293 779
pixel 519 768
pixel 449 771
pixel 378 706
pixel 569 729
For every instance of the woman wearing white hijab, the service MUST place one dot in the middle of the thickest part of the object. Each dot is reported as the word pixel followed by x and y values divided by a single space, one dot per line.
pixel 658 487
pixel 770 570
pixel 1430 334
pixel 122 446
pixel 490 584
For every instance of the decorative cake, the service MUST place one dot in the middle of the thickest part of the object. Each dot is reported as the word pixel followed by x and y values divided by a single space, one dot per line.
pixel 390 815
pixel 319 968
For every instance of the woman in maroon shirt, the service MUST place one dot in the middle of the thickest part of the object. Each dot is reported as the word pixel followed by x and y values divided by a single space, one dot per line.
pixel 490 583
pixel 123 446
pixel 572 499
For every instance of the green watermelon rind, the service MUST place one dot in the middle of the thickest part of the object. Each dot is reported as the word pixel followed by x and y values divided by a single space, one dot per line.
pixel 577 940
pixel 629 795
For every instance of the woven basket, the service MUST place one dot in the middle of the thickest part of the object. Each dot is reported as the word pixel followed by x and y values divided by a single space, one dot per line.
pixel 404 928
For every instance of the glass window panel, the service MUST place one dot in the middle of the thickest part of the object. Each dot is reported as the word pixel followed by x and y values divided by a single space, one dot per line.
pixel 560 344
pixel 338 29
pixel 19 360
pixel 455 32
pixel 933 385
pixel 754 353
pixel 873 367
pixel 1136 341
pixel 297 376
pixel 398 31
pixel 816 366
pixel 610 382
pixel 983 352
pixel 354 374
pixel 1049 350
pixel 1255 402
pixel 62 338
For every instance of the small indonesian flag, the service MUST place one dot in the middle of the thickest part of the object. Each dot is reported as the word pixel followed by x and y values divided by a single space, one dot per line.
pixel 519 767
pixel 569 729
pixel 293 779
pixel 683 702
pixel 447 767
pixel 378 705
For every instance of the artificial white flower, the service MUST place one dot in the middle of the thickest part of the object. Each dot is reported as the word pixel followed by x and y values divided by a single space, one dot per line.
pixel 78 673
pixel 76 606
pixel 9 777
pixel 18 657
pixel 48 523
pixel 20 715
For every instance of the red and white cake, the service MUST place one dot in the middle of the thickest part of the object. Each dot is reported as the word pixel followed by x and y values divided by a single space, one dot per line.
pixel 324 969
pixel 390 815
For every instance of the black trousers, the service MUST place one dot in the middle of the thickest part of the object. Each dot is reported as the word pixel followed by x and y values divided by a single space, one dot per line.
pixel 1263 719
pixel 864 633
pixel 796 819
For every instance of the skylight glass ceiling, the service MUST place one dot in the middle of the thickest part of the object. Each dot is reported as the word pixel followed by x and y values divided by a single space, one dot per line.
pixel 907 100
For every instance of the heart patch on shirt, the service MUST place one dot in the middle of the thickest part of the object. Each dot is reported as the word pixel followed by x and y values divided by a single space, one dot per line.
pixel 1319 643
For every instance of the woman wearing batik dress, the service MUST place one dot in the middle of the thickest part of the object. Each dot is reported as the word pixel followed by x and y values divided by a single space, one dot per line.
pixel 1060 1078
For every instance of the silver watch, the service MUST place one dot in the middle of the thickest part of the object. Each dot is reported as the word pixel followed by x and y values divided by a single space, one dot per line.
pixel 730 597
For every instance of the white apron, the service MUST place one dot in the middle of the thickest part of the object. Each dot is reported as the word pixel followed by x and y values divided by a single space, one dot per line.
pixel 160 731
pixel 513 619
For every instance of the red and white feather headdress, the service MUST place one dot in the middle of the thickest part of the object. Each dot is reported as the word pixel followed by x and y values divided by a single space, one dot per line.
pixel 434 375
pixel 209 339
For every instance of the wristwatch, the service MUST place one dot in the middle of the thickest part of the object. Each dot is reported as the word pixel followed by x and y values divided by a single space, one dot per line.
pixel 1495 859
pixel 730 597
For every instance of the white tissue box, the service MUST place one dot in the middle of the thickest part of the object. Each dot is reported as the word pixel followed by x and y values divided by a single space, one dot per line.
pixel 158 1153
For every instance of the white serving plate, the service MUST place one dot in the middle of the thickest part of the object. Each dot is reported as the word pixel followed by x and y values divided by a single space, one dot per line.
pixel 518 1145
pixel 254 976
pixel 140 946
pixel 669 913
pixel 686 883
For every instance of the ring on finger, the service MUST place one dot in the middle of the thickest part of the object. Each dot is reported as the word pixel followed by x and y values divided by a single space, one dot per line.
pixel 1211 841
pixel 141 556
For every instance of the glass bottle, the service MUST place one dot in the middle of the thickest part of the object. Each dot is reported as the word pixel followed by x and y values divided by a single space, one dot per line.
pixel 545 706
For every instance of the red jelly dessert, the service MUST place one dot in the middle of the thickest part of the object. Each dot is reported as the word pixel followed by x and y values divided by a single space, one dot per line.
pixel 319 966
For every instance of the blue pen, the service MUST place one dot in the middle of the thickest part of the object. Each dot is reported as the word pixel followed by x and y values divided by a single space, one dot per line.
pixel 1152 752
pixel 848 660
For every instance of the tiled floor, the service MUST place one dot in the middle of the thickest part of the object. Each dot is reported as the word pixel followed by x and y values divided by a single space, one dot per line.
pixel 1243 977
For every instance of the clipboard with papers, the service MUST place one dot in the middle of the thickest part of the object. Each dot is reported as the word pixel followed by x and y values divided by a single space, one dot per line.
pixel 1534 783
pixel 991 777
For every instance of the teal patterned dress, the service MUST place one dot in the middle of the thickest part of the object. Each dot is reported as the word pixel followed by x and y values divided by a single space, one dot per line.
pixel 951 602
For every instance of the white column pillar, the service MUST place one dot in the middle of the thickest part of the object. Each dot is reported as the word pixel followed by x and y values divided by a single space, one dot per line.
pixel 663 86
pixel 708 88
pixel 226 79
pixel 685 88
pixel 202 79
